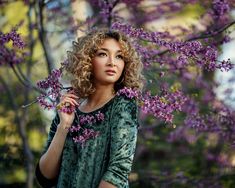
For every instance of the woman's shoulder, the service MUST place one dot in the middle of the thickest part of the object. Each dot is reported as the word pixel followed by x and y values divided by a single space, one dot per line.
pixel 125 109
pixel 124 103
pixel 122 99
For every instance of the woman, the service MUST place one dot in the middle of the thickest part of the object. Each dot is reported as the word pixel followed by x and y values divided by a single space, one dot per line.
pixel 94 146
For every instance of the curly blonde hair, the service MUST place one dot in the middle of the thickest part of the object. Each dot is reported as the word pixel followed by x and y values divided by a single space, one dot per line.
pixel 80 66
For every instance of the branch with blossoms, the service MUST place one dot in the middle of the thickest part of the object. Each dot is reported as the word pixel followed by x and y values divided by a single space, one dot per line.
pixel 52 87
pixel 186 52
pixel 49 88
pixel 13 57
pixel 204 56
pixel 160 106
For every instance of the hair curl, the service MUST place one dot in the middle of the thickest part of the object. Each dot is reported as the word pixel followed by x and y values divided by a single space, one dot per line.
pixel 80 67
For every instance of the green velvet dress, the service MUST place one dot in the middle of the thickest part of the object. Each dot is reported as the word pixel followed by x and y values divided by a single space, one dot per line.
pixel 107 156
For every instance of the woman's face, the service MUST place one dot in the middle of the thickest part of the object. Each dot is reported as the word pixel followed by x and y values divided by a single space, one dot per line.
pixel 107 63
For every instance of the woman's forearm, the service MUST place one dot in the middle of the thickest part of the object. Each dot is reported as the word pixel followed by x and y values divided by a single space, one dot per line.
pixel 49 163
pixel 105 184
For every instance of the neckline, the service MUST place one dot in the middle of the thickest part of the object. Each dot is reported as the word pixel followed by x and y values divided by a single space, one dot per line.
pixel 98 109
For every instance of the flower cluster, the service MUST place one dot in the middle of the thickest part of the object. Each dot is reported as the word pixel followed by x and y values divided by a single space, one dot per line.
pixel 225 65
pixel 128 92
pixel 197 122
pixel 12 36
pixel 67 109
pixel 11 56
pixel 81 134
pixel 220 7
pixel 220 121
pixel 203 56
pixel 182 133
pixel 162 107
pixel 90 119
pixel 148 55
pixel 85 135
pixel 52 88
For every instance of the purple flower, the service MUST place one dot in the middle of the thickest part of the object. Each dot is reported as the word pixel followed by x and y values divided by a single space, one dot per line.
pixel 42 100
pixel 99 116
pixel 225 65
pixel 190 50
pixel 10 56
pixel 67 109
pixel 86 119
pixel 85 135
pixel 220 7
pixel 12 36
pixel 128 92
pixel 52 81
pixel 90 119
pixel 79 139
pixel 75 128
pixel 163 106
pixel 52 88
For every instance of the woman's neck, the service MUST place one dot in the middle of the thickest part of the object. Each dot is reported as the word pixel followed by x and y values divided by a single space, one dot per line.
pixel 101 95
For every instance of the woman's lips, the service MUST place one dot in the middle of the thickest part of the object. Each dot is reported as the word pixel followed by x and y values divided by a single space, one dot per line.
pixel 110 72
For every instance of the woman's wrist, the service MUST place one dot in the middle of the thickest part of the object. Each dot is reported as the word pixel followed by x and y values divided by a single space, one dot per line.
pixel 63 128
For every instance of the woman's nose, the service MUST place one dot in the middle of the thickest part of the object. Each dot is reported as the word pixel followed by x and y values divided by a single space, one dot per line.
pixel 112 61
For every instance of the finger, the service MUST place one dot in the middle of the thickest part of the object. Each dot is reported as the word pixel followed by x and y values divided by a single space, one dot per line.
pixel 71 101
pixel 70 95
pixel 62 97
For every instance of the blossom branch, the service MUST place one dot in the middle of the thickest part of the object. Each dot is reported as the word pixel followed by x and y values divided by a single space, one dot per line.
pixel 203 36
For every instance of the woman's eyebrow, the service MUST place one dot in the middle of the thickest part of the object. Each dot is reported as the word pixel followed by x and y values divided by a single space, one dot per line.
pixel 105 49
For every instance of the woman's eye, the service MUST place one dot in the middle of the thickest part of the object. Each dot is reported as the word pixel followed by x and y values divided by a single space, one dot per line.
pixel 119 56
pixel 101 54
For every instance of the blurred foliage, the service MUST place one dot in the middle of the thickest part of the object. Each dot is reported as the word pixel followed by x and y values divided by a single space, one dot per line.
pixel 159 164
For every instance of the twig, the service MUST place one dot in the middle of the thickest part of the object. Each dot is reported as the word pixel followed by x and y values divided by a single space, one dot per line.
pixel 18 76
pixel 27 105
pixel 202 36
pixel 25 81
pixel 213 33
pixel 42 36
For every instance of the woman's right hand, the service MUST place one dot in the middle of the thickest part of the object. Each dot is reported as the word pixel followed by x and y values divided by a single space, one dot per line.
pixel 66 119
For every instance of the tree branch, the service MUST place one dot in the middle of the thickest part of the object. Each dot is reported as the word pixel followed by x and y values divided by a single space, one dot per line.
pixel 20 121
pixel 42 37
pixel 214 33
pixel 24 81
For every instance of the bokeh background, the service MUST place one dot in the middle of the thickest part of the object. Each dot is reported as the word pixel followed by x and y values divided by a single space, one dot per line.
pixel 167 155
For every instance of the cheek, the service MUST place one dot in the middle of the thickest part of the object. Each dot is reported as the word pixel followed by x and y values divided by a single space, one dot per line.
pixel 95 66
pixel 121 67
pixel 99 62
